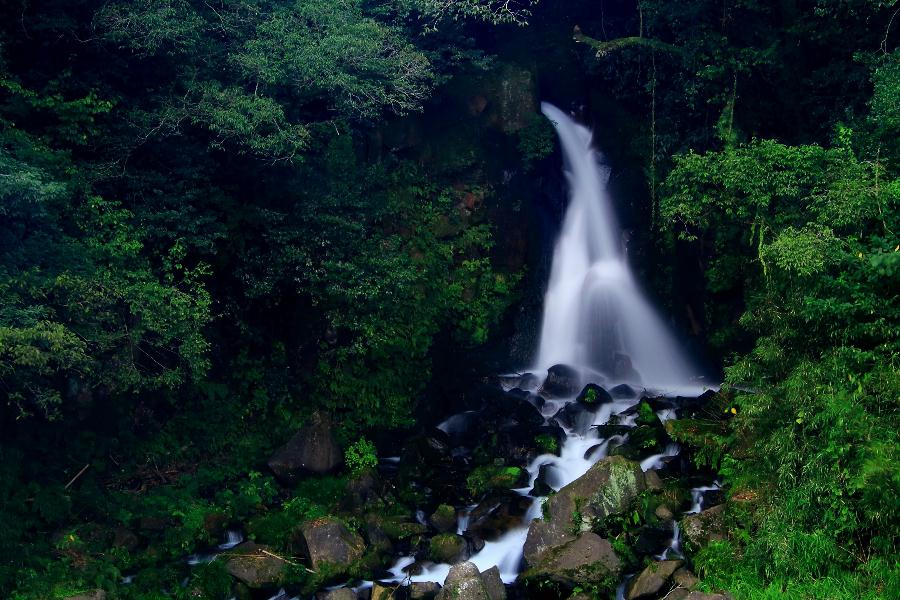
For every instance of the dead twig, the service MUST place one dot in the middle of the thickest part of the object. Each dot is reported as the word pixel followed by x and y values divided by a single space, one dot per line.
pixel 77 475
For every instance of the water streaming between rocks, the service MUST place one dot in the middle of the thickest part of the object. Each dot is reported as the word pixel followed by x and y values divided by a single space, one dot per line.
pixel 598 323
pixel 598 328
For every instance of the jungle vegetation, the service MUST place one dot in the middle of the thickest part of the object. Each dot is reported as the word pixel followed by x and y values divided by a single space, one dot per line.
pixel 218 218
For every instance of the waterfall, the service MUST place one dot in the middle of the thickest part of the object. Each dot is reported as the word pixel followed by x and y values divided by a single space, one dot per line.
pixel 595 316
pixel 596 320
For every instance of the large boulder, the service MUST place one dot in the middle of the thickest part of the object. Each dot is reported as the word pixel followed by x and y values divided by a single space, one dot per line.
pixel 497 514
pixel 606 488
pixel 542 538
pixel 562 381
pixel 255 566
pixel 327 542
pixel 444 518
pixel 447 548
pixel 465 582
pixel 704 527
pixel 575 416
pixel 651 580
pixel 588 559
pixel 313 449
pixel 593 395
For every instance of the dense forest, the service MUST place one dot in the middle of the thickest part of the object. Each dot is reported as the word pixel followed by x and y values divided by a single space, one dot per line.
pixel 250 249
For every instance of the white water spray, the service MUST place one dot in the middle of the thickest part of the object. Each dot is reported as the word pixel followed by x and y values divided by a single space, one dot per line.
pixel 597 320
pixel 595 316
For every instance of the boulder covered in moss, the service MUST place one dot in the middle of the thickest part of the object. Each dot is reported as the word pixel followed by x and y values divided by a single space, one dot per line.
pixel 444 518
pixel 606 488
pixel 493 477
pixel 313 449
pixel 593 395
pixel 255 565
pixel 704 527
pixel 327 542
pixel 466 582
pixel 649 582
pixel 447 548
pixel 587 560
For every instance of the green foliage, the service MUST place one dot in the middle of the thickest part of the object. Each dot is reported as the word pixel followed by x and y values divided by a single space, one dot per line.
pixel 360 456
pixel 537 139
pixel 491 11
pixel 547 443
pixel 491 477
pixel 805 233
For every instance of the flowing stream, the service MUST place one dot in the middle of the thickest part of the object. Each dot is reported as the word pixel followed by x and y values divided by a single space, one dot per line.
pixel 597 321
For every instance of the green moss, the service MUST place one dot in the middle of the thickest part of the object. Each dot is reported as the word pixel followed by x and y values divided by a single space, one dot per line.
pixel 547 443
pixel 491 477
pixel 446 548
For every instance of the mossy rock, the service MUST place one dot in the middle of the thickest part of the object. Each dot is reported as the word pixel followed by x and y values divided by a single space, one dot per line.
pixel 398 528
pixel 588 560
pixel 444 518
pixel 447 548
pixel 491 477
pixel 593 395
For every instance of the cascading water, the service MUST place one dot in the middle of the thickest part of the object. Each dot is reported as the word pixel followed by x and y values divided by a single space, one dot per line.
pixel 596 320
pixel 595 316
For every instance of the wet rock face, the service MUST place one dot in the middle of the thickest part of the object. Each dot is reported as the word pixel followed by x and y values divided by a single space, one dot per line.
pixel 587 559
pixel 497 514
pixel 313 449
pixel 251 564
pixel 593 396
pixel 447 548
pixel 562 381
pixel 623 390
pixel 444 518
pixel 651 580
pixel 339 594
pixel 329 542
pixel 606 488
pixel 423 590
pixel 704 527
pixel 465 582
pixel 575 416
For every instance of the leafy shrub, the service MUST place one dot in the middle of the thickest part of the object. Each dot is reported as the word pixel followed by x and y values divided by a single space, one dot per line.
pixel 360 456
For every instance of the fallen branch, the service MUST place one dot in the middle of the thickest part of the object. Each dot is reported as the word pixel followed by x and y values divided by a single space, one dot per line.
pixel 77 475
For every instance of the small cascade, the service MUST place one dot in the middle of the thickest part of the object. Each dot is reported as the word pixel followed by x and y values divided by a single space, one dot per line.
pixel 658 461
pixel 697 496
pixel 232 539
pixel 674 549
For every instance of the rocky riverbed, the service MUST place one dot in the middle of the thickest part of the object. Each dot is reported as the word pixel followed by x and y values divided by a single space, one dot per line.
pixel 540 488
